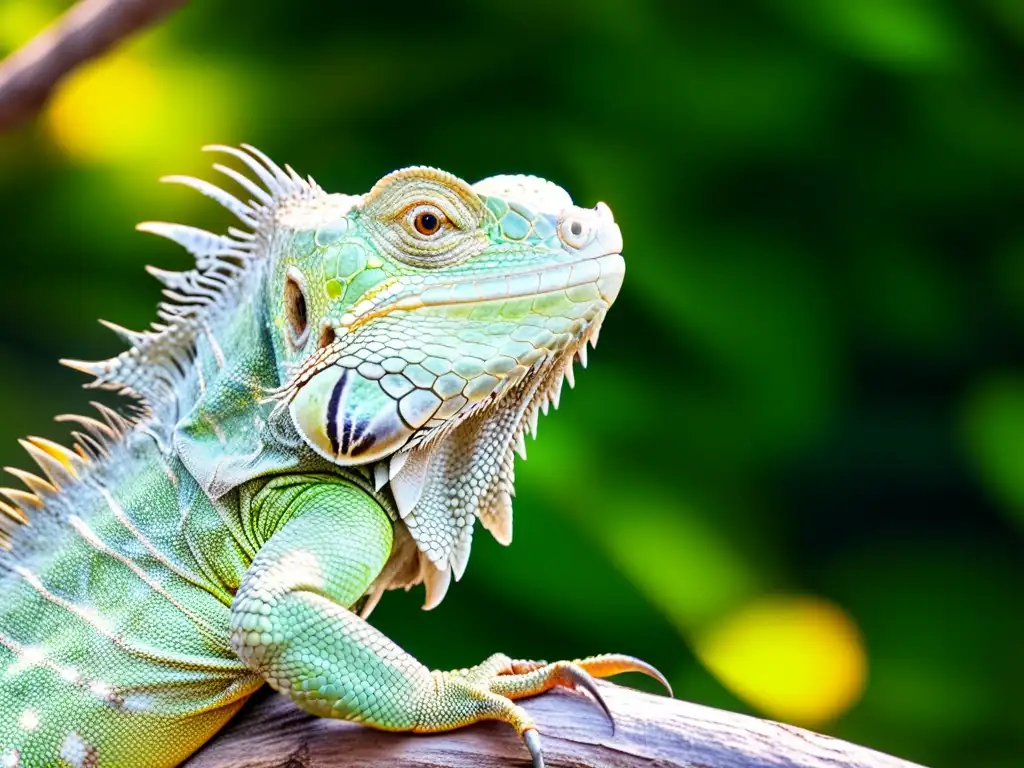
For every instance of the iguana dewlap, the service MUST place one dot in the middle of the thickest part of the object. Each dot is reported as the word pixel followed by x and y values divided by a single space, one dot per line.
pixel 328 404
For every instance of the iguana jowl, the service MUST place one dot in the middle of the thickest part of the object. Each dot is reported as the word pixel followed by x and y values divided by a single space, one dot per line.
pixel 329 402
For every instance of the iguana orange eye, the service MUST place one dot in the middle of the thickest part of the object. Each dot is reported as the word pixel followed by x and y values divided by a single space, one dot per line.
pixel 427 220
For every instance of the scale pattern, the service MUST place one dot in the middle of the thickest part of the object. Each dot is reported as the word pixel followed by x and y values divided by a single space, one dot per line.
pixel 85 672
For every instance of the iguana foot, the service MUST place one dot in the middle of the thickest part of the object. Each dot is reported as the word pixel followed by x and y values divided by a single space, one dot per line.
pixel 487 691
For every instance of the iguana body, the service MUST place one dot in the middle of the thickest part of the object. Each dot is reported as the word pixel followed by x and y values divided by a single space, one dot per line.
pixel 328 405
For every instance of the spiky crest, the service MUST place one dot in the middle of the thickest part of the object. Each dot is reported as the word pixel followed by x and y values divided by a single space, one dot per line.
pixel 153 368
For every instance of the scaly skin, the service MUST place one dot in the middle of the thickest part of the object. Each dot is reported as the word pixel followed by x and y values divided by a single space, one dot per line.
pixel 329 404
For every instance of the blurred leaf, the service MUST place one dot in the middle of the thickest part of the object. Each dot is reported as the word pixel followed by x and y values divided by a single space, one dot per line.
pixel 994 422
pixel 674 556
pixel 1008 276
pixel 907 34
pixel 108 110
pixel 942 621
pixel 1009 16
pixel 757 318
pixel 911 303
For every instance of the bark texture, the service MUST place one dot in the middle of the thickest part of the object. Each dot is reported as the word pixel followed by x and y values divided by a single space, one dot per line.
pixel 650 731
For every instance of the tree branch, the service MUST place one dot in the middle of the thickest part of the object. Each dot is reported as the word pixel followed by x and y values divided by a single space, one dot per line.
pixel 29 75
pixel 650 731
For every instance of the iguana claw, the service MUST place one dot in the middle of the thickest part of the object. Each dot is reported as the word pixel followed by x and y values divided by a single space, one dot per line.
pixel 527 678
pixel 532 739
pixel 582 680
pixel 530 677
pixel 516 679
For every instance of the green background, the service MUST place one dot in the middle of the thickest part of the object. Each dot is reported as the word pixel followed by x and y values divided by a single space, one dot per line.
pixel 800 443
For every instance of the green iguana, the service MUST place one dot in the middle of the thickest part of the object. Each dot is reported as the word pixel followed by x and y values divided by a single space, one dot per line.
pixel 329 403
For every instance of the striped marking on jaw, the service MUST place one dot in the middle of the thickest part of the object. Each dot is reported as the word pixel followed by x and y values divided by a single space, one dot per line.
pixel 332 415
pixel 347 436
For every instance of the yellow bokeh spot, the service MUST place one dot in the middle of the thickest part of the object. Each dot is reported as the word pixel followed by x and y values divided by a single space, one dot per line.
pixel 103 112
pixel 796 658
pixel 141 114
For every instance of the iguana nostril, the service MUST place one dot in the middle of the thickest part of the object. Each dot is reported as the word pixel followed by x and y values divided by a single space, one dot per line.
pixel 574 231
pixel 326 337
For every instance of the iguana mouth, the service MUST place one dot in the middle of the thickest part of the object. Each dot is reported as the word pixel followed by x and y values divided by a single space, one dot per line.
pixel 604 273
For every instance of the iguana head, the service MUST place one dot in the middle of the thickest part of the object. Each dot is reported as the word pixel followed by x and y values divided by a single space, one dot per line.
pixel 420 327
pixel 429 300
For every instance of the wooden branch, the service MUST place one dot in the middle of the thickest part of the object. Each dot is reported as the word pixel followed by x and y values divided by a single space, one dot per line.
pixel 29 75
pixel 651 731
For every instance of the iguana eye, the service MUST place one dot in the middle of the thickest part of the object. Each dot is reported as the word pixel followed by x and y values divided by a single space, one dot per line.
pixel 427 220
pixel 295 306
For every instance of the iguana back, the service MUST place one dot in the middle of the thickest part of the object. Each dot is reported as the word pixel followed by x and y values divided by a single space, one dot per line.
pixel 114 624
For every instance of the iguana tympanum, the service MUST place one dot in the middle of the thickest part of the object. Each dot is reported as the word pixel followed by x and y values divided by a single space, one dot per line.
pixel 330 401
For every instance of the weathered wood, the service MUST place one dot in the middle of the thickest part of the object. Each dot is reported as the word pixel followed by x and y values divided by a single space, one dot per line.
pixel 650 731
pixel 29 75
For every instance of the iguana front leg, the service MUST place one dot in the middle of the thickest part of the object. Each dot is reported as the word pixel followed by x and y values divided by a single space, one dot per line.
pixel 291 623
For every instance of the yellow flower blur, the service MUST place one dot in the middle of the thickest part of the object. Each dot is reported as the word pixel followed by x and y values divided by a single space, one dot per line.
pixel 800 659
pixel 106 112
pixel 131 109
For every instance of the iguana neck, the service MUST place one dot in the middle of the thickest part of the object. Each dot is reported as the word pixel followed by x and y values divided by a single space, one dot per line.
pixel 226 432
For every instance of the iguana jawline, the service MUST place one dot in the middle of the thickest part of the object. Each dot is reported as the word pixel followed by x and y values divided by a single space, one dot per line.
pixel 488 288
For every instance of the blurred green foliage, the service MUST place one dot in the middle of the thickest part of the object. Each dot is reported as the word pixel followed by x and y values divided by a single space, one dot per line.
pixel 800 446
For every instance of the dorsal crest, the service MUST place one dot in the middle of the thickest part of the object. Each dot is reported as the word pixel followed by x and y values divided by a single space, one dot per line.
pixel 157 361
pixel 151 369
